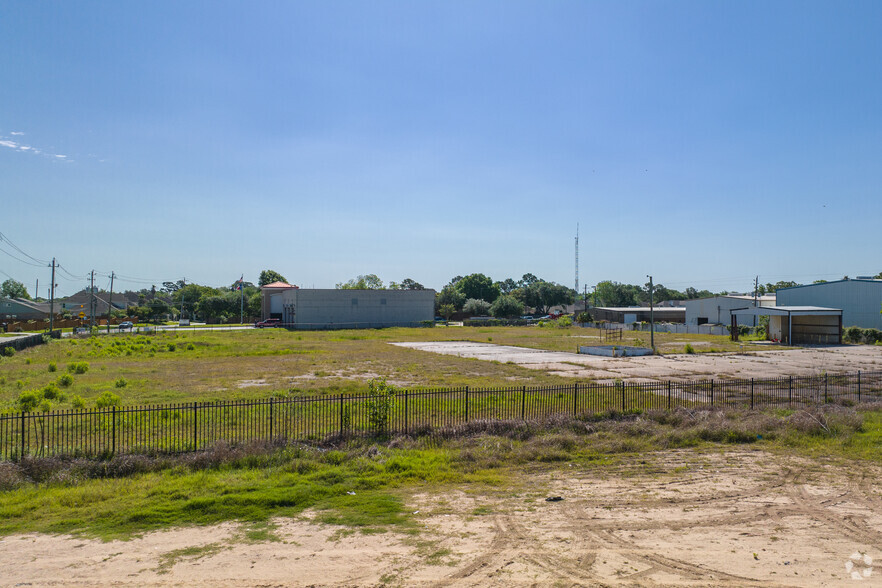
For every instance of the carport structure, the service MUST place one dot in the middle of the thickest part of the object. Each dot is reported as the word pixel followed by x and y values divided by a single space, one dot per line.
pixel 795 325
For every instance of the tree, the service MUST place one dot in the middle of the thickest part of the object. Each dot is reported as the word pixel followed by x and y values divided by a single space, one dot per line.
pixel 269 276
pixel 408 284
pixel 368 282
pixel 450 295
pixel 529 280
pixel 447 311
pixel 478 286
pixel 778 285
pixel 508 286
pixel 616 294
pixel 14 289
pixel 506 306
pixel 171 287
pixel 476 307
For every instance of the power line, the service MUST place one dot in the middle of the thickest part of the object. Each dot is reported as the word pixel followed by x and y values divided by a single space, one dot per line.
pixel 17 248
pixel 24 261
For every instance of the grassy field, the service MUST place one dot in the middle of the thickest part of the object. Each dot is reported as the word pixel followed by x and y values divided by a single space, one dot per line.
pixel 227 365
pixel 363 484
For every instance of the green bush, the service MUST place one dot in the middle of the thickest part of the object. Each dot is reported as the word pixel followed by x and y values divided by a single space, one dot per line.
pixel 190 347
pixel 51 392
pixel 564 321
pixel 583 317
pixel 121 383
pixel 65 380
pixel 171 346
pixel 53 367
pixel 78 367
pixel 689 349
pixel 28 400
pixel 77 402
pixel 852 334
pixel 8 351
pixel 872 336
pixel 107 399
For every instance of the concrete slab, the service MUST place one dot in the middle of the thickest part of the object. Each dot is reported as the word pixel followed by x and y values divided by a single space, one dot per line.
pixel 761 364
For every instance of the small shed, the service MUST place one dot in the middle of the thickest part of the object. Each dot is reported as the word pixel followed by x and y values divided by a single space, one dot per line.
pixel 794 325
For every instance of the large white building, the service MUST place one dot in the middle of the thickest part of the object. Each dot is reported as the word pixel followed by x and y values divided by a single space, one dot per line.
pixel 860 299
pixel 346 309
pixel 715 309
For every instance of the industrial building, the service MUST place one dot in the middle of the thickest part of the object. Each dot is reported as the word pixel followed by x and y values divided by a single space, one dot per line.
pixel 715 309
pixel 795 325
pixel 346 309
pixel 860 299
pixel 636 314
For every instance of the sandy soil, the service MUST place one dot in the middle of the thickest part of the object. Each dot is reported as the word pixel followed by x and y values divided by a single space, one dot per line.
pixel 678 518
pixel 761 364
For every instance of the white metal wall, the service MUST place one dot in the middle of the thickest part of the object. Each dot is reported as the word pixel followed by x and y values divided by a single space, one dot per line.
pixel 860 300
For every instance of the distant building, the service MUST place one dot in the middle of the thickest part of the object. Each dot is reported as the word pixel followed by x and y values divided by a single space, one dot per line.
pixel 715 309
pixel 82 301
pixel 16 309
pixel 346 309
pixel 636 314
pixel 860 299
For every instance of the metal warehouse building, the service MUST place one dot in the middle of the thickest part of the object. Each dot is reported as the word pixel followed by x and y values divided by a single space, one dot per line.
pixel 346 309
pixel 860 299
pixel 715 309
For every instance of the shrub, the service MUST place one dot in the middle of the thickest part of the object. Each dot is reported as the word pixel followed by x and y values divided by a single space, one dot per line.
pixel 53 367
pixel 8 351
pixel 51 391
pixel 171 346
pixel 78 367
pixel 379 406
pixel 65 380
pixel 564 321
pixel 689 349
pixel 872 336
pixel 852 334
pixel 28 400
pixel 583 317
pixel 190 347
pixel 121 383
pixel 107 399
pixel 77 402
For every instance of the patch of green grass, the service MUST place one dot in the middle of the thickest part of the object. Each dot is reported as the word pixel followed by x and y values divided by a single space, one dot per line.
pixel 169 559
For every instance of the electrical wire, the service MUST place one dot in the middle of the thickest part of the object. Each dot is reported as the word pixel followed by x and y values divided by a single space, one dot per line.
pixel 24 261
pixel 17 248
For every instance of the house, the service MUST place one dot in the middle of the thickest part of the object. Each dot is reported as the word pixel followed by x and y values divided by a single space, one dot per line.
pixel 636 314
pixel 16 309
pixel 860 299
pixel 346 309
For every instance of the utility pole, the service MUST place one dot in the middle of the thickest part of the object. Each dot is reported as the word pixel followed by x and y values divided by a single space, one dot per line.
pixel 52 298
pixel 577 259
pixel 755 295
pixel 241 300
pixel 109 301
pixel 92 303
pixel 184 282
pixel 651 317
pixel 37 289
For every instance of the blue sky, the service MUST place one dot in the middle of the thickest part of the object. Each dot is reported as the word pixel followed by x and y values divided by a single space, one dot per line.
pixel 701 142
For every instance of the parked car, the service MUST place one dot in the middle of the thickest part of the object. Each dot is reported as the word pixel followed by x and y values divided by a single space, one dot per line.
pixel 271 322
pixel 125 325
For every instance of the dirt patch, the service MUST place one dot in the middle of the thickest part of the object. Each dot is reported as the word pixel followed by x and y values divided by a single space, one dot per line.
pixel 758 364
pixel 678 518
pixel 250 383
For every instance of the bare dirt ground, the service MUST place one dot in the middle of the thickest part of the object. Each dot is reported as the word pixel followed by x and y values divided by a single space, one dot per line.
pixel 677 518
pixel 760 364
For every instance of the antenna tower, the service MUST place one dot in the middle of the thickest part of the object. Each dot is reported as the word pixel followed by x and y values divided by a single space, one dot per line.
pixel 577 258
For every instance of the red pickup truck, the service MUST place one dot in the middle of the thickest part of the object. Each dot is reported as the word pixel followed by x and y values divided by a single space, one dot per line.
pixel 268 323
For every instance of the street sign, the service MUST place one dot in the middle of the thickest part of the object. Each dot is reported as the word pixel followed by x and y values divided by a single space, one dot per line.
pixel 82 315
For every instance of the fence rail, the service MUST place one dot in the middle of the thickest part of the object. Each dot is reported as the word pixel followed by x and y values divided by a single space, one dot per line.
pixel 174 428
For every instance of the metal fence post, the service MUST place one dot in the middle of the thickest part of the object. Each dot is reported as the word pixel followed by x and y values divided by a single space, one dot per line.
pixel 751 394
pixel 825 387
pixel 467 403
pixel 341 415
pixel 272 401
pixel 22 454
pixel 623 395
pixel 113 445
pixel 669 395
pixel 405 412
pixel 575 398
pixel 712 393
pixel 790 391
pixel 195 425
pixel 859 386
pixel 523 402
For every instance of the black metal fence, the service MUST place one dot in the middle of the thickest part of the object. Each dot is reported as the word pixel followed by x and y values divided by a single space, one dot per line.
pixel 172 428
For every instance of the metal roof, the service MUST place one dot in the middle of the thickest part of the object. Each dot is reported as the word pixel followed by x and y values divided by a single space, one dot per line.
pixel 785 311
pixel 871 280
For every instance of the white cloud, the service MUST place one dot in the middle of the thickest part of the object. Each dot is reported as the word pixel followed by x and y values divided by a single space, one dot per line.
pixel 11 144
pixel 61 156
pixel 16 133
pixel 4 142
